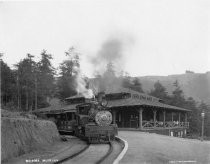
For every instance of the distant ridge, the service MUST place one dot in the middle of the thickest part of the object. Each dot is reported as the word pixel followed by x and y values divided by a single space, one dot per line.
pixel 196 85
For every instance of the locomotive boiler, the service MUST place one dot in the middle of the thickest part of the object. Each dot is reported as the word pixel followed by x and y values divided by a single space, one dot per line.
pixel 94 122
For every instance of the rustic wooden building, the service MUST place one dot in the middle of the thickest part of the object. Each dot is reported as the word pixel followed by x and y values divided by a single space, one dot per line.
pixel 131 110
pixel 136 111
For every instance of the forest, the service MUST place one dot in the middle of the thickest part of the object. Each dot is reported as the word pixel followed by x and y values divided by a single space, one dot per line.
pixel 29 85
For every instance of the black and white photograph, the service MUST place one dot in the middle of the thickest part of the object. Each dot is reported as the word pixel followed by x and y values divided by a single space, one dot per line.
pixel 105 81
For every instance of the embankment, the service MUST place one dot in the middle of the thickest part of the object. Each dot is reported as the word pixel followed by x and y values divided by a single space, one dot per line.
pixel 23 135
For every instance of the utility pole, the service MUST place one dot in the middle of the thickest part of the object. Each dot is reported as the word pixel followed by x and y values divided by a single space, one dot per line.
pixel 202 130
pixel 35 72
pixel 35 91
pixel 18 88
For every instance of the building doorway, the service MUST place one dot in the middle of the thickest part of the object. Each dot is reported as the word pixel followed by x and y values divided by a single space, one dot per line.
pixel 127 118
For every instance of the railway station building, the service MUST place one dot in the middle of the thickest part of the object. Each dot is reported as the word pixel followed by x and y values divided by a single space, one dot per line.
pixel 131 110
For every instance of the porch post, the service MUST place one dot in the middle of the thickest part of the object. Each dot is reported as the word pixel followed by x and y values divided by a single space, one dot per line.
pixel 185 119
pixel 66 117
pixel 122 119
pixel 172 116
pixel 154 117
pixel 114 116
pixel 140 118
pixel 179 118
pixel 164 118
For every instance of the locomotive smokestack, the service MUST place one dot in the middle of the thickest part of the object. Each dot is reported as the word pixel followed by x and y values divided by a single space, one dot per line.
pixel 101 95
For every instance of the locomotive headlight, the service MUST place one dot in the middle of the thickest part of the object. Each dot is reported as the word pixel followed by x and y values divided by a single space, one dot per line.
pixel 104 103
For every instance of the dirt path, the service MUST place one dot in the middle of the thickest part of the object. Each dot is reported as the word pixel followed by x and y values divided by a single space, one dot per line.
pixel 149 148
pixel 93 154
pixel 52 153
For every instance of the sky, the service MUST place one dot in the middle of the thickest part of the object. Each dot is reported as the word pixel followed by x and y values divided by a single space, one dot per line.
pixel 156 37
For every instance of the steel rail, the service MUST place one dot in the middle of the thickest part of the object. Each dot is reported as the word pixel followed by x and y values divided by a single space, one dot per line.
pixel 107 154
pixel 83 150
pixel 100 161
pixel 121 155
pixel 72 156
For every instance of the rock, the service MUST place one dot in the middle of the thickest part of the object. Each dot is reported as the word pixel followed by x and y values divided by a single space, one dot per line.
pixel 22 135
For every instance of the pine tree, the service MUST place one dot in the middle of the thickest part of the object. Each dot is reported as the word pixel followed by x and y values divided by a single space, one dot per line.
pixel 177 98
pixel 126 81
pixel 8 85
pixel 136 85
pixel 194 116
pixel 110 71
pixel 25 79
pixel 44 80
pixel 159 91
pixel 68 71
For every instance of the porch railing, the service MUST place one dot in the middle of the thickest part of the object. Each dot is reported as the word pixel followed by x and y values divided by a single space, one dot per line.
pixel 160 124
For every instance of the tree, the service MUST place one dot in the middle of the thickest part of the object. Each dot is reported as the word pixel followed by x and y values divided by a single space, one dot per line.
pixel 25 79
pixel 68 71
pixel 194 116
pixel 34 82
pixel 109 77
pixel 126 81
pixel 7 83
pixel 177 98
pixel 159 91
pixel 136 85
pixel 44 79
pixel 110 72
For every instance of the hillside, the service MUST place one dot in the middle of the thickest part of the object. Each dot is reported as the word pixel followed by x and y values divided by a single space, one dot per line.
pixel 196 85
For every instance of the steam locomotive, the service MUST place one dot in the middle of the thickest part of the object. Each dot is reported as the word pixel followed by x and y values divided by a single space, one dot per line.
pixel 93 122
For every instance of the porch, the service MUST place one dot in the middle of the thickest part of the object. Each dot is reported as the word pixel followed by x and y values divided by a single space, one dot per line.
pixel 148 118
pixel 167 124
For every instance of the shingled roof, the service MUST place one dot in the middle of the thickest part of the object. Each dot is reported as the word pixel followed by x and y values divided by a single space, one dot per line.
pixel 137 102
pixel 133 102
pixel 148 101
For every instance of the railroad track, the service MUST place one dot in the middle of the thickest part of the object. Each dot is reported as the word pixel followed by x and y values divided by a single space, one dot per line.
pixel 91 154
pixel 96 153
pixel 72 156
pixel 111 147
pixel 117 149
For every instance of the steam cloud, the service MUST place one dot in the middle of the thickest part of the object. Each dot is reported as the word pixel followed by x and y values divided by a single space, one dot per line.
pixel 81 86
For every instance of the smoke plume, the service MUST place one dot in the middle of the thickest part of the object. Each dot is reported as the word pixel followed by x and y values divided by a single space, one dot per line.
pixel 113 50
pixel 110 51
pixel 81 86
